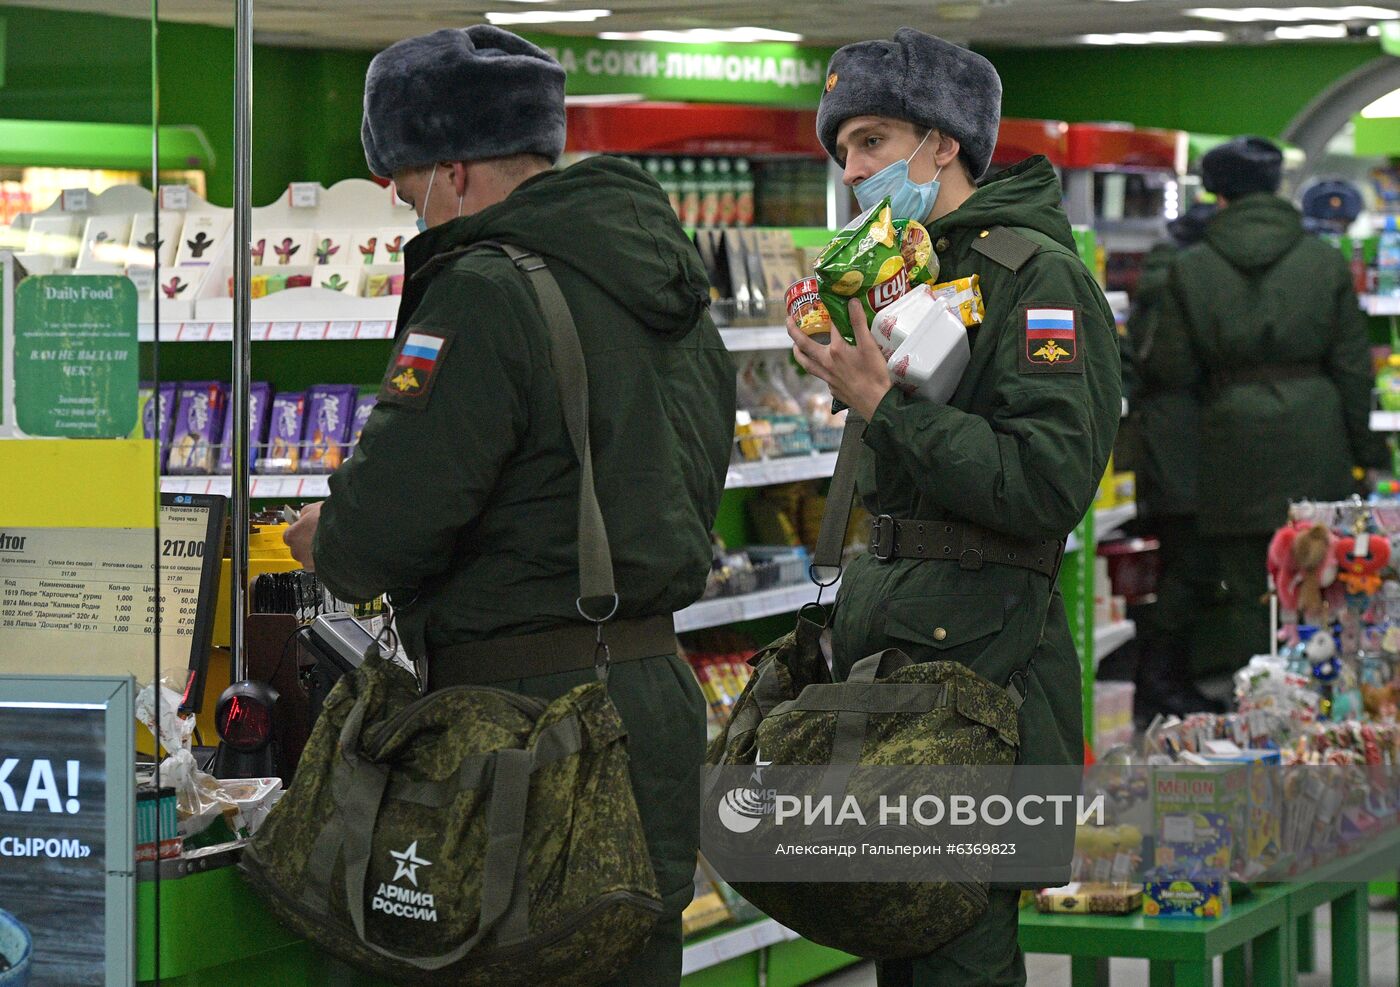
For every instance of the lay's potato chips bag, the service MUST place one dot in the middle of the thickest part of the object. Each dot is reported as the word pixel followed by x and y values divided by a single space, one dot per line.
pixel 876 259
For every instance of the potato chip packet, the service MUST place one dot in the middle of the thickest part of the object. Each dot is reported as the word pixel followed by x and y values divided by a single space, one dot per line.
pixel 876 259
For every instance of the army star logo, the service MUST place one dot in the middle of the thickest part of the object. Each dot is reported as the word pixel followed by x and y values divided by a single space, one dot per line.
pixel 406 381
pixel 831 81
pixel 407 863
pixel 1052 340
pixel 1052 352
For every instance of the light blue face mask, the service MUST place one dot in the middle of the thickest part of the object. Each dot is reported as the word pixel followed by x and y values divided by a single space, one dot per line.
pixel 423 223
pixel 908 199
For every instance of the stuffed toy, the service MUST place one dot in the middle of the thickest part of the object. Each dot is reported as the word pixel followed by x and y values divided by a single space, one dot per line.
pixel 1303 564
pixel 1360 561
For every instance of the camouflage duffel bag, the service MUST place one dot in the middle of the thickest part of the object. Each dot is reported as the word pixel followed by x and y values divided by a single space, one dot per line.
pixel 471 836
pixel 889 713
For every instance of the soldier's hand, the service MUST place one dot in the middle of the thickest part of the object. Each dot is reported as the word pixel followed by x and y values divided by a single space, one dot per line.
pixel 299 535
pixel 858 375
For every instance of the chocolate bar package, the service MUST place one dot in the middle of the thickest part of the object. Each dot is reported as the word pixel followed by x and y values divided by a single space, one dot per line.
pixel 199 424
pixel 259 399
pixel 157 417
pixel 364 404
pixel 285 433
pixel 330 410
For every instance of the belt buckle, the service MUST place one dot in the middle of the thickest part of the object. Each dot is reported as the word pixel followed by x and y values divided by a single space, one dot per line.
pixel 972 563
pixel 882 537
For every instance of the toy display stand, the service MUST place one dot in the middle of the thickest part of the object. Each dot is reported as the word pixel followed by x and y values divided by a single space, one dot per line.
pixel 350 205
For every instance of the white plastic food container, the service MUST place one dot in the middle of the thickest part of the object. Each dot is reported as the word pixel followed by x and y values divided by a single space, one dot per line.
pixel 931 351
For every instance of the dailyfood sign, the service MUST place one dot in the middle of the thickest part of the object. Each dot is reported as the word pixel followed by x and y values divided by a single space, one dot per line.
pixel 764 74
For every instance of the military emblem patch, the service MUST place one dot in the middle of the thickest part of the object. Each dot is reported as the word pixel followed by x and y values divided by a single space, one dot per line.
pixel 1052 340
pixel 409 379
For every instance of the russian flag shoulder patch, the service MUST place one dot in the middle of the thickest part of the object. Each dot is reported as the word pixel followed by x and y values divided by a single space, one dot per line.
pixel 1051 343
pixel 413 369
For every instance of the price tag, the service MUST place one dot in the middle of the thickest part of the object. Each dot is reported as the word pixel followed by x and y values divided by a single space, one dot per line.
pixel 305 195
pixel 258 331
pixel 374 330
pixel 313 330
pixel 175 197
pixel 283 331
pixel 193 332
pixel 1179 830
pixel 74 200
pixel 222 332
pixel 341 330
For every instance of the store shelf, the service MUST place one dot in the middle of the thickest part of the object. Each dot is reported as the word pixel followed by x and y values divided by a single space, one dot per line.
pixel 1380 304
pixel 1111 637
pixel 725 946
pixel 791 469
pixel 748 340
pixel 270 487
pixel 268 332
pixel 753 606
pixel 1106 522
pixel 1385 421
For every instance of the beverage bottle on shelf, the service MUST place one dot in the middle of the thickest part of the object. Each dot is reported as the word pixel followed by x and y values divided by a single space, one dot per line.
pixel 743 194
pixel 709 193
pixel 1388 259
pixel 1358 266
pixel 652 166
pixel 690 193
pixel 1388 384
pixel 671 184
pixel 728 195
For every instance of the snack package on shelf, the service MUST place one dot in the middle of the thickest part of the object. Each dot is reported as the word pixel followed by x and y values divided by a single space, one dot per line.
pixel 329 416
pixel 285 433
pixel 199 422
pixel 259 401
pixel 1090 898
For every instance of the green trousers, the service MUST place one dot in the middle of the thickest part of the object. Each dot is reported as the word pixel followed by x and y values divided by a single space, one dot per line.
pixel 987 955
pixel 1244 631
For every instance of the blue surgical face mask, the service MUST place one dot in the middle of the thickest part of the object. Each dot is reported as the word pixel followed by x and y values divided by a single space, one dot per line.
pixel 428 197
pixel 908 199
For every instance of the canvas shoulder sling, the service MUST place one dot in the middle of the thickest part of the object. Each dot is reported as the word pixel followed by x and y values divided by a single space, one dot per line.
pixel 421 839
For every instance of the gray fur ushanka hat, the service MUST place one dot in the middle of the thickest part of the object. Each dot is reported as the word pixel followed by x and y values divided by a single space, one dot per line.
pixel 919 78
pixel 462 94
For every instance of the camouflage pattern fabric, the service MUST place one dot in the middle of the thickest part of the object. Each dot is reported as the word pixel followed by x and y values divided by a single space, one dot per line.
pixel 795 715
pixel 473 836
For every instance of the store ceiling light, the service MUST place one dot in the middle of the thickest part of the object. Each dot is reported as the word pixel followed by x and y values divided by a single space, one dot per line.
pixel 1309 32
pixel 1282 15
pixel 548 17
pixel 703 35
pixel 1155 38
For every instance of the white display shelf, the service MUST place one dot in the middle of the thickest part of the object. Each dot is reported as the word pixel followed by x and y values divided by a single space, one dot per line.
pixel 1106 522
pixel 294 487
pixel 1111 637
pixel 755 338
pixel 1385 421
pixel 268 332
pixel 789 469
pixel 725 946
pixel 752 606
pixel 1380 304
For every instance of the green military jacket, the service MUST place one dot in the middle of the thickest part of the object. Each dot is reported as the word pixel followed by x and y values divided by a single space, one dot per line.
pixel 1262 321
pixel 462 498
pixel 1163 415
pixel 1020 449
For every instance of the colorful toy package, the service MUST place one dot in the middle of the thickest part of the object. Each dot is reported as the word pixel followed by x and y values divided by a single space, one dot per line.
pixel 330 410
pixel 1217 793
pixel 877 259
pixel 199 424
pixel 1170 894
pixel 259 398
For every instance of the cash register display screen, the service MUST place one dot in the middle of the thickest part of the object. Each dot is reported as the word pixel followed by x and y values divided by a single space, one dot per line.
pixel 82 601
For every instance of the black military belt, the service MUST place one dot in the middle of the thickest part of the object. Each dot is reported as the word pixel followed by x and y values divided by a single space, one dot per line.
pixel 969 545
pixel 1264 374
pixel 568 649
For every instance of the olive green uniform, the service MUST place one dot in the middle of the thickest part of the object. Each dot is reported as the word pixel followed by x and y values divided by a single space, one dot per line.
pixel 461 500
pixel 1261 321
pixel 1019 450
pixel 1164 423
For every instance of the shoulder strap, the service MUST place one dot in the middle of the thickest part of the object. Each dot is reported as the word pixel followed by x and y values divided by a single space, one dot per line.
pixel 1006 246
pixel 826 563
pixel 595 569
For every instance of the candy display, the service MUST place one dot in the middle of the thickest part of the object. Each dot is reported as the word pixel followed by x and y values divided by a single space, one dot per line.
pixel 330 414
pixel 199 425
